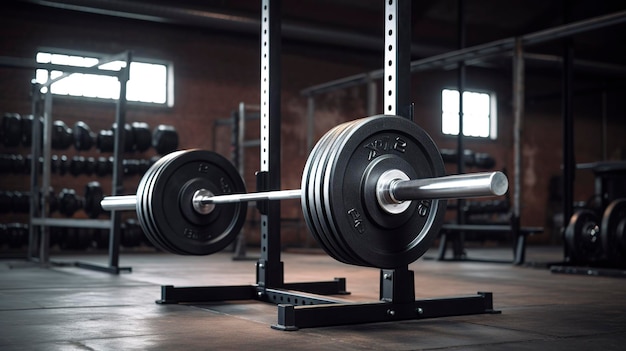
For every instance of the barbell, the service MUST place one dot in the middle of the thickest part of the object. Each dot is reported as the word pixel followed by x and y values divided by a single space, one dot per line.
pixel 372 194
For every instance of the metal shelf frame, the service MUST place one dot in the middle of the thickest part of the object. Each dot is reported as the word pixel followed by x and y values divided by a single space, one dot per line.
pixel 39 236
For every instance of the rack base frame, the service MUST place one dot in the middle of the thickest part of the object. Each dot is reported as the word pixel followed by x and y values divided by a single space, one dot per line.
pixel 304 305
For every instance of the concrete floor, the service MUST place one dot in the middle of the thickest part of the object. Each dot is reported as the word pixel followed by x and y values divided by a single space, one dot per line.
pixel 68 308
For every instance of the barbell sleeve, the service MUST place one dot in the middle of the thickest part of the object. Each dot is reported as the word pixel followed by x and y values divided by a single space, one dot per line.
pixel 446 187
pixel 451 187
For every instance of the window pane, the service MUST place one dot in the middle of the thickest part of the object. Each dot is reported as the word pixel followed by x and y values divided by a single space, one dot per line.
pixel 477 117
pixel 147 83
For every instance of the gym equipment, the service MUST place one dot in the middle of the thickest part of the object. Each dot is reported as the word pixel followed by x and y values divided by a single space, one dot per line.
pixel 27 130
pixel 62 137
pixel 132 235
pixel 613 232
pixel 105 141
pixel 371 193
pixel 90 166
pixel 93 196
pixel 129 139
pixel 11 129
pixel 69 202
pixel 131 166
pixel 77 165
pixel 142 136
pixel 16 235
pixel 6 202
pixel 582 236
pixel 84 138
pixel 164 139
pixel 104 166
pixel 21 202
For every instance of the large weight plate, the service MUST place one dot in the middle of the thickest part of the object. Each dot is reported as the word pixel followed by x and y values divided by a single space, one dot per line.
pixel 309 192
pixel 165 195
pixel 582 237
pixel 396 240
pixel 613 231
pixel 143 207
pixel 322 197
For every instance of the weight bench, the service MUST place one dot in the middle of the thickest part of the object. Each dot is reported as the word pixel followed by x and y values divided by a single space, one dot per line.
pixel 451 232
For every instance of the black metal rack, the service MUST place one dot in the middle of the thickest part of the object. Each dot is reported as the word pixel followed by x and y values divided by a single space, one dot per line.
pixel 39 236
pixel 300 304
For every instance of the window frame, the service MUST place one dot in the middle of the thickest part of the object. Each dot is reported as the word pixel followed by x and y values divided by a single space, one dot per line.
pixel 169 77
pixel 493 113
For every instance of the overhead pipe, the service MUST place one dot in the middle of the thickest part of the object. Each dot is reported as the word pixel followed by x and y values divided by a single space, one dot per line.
pixel 226 21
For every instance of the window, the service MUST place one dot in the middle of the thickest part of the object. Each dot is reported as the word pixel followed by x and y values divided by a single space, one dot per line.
pixel 149 81
pixel 479 113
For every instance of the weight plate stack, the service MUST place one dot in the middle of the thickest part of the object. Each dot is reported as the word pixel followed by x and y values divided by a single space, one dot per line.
pixel 164 203
pixel 613 232
pixel 582 237
pixel 339 192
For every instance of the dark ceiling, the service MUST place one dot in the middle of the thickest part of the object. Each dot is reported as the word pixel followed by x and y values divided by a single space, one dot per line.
pixel 357 25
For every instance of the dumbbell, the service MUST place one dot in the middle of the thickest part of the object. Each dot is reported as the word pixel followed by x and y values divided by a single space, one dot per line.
pixel 129 137
pixel 104 166
pixel 14 201
pixel 131 233
pixel 105 141
pixel 77 165
pixel 142 136
pixel 21 202
pixel 6 202
pixel 164 139
pixel 59 164
pixel 27 130
pixel 16 235
pixel 93 196
pixel 11 129
pixel 12 163
pixel 84 138
pixel 62 137
pixel 69 202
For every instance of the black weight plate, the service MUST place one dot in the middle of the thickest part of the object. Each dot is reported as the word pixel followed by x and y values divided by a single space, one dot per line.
pixel 583 237
pixel 143 208
pixel 310 191
pixel 323 197
pixel 159 238
pixel 306 201
pixel 612 231
pixel 219 176
pixel 377 245
pixel 143 205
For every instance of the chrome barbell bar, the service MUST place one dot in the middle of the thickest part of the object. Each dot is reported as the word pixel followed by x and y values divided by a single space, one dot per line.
pixel 394 192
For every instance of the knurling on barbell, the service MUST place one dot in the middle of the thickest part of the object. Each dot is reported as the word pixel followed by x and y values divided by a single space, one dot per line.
pixel 372 195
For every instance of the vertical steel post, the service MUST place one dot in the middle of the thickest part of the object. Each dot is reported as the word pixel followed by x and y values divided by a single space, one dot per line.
pixel 35 205
pixel 44 240
pixel 269 267
pixel 397 69
pixel 569 157
pixel 118 170
pixel 459 243
pixel 518 115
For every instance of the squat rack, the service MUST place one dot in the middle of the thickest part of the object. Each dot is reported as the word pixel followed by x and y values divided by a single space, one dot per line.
pixel 465 56
pixel 300 304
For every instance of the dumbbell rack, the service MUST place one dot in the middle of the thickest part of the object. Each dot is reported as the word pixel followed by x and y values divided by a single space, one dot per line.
pixel 39 236
pixel 300 304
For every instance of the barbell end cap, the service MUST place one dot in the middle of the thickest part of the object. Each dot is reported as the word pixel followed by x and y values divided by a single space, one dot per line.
pixel 499 183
